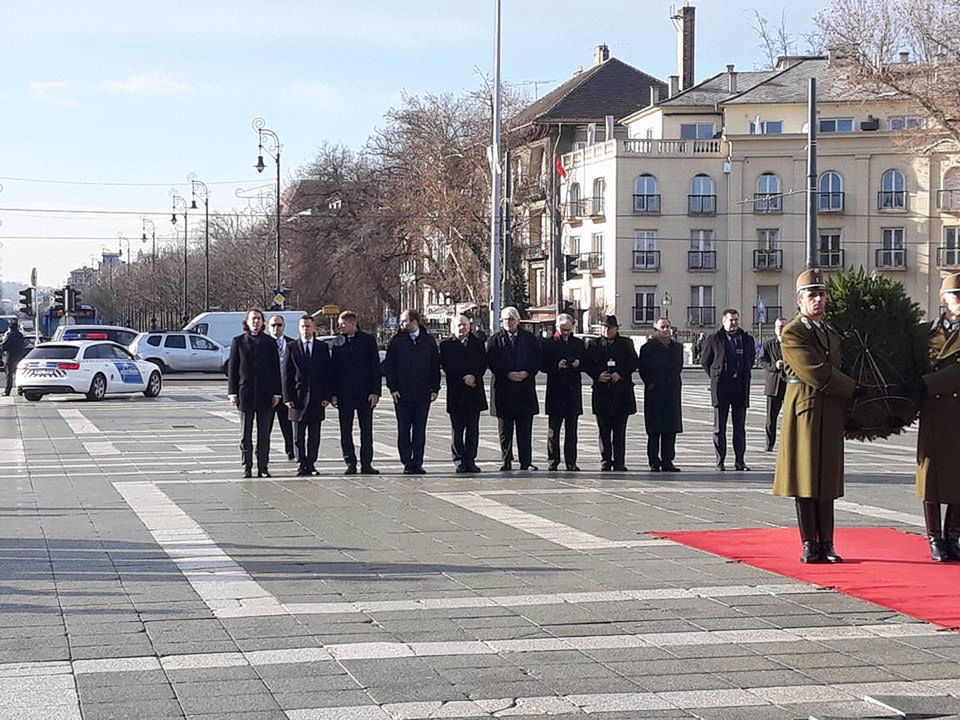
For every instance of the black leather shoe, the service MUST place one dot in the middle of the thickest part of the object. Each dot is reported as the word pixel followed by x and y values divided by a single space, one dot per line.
pixel 768 448
pixel 291 456
pixel 506 467
pixel 529 468
pixel 654 468
pixel 811 552
pixel 740 467
pixel 408 471
pixel 314 471
pixel 351 470
pixel 263 473
pixel 247 473
pixel 553 467
pixel 573 468
pixel 473 469
pixel 606 467
pixel 461 469
pixel 953 548
pixel 670 468
pixel 828 554
pixel 620 468
pixel 721 467
pixel 302 472
pixel 938 549
pixel 419 470
pixel 369 470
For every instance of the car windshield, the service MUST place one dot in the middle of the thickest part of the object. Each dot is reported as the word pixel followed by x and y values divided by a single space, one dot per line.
pixel 53 352
pixel 121 337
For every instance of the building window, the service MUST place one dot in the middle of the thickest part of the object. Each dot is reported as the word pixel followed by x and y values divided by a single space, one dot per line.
pixel 768 239
pixel 596 243
pixel 574 205
pixel 829 249
pixel 649 133
pixel 697 131
pixel 949 254
pixel 574 244
pixel 701 255
pixel 701 239
pixel 830 195
pixel 892 253
pixel 768 301
pixel 599 189
pixel 768 255
pixel 646 201
pixel 768 198
pixel 836 125
pixel 645 310
pixel 906 122
pixel 645 255
pixel 766 127
pixel 701 311
pixel 893 191
pixel 703 196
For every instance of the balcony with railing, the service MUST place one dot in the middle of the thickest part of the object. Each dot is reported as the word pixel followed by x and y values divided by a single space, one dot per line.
pixel 890 259
pixel 702 260
pixel 646 204
pixel 948 201
pixel 767 260
pixel 647 260
pixel 701 204
pixel 830 202
pixel 574 210
pixel 892 200
pixel 646 315
pixel 596 207
pixel 673 148
pixel 830 258
pixel 590 262
pixel 767 203
pixel 532 252
pixel 770 313
pixel 948 257
pixel 701 315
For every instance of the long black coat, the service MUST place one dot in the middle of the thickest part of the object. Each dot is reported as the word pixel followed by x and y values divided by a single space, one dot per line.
pixel 775 382
pixel 510 399
pixel 413 367
pixel 612 398
pixel 661 366
pixel 356 370
pixel 13 347
pixel 253 374
pixel 724 388
pixel 306 382
pixel 457 361
pixel 564 394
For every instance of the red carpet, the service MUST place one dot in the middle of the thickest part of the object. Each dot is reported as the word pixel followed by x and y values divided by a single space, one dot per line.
pixel 884 566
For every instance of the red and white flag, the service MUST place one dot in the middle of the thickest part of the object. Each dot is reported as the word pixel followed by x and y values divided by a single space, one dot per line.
pixel 560 171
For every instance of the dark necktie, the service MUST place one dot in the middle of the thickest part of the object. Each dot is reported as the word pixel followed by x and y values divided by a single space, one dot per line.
pixel 309 349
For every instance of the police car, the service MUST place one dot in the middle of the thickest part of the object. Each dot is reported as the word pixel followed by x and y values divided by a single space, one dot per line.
pixel 91 368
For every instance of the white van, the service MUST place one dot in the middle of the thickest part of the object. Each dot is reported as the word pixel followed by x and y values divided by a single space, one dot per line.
pixel 223 327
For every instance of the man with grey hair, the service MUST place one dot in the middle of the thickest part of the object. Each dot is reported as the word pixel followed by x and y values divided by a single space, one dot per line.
pixel 562 357
pixel 513 355
pixel 464 361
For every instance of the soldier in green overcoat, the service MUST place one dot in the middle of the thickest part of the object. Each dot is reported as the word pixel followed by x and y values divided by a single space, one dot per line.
pixel 810 460
pixel 938 452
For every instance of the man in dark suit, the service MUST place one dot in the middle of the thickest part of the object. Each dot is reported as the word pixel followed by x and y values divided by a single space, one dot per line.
pixel 306 392
pixel 412 367
pixel 254 387
pixel 727 359
pixel 563 357
pixel 611 362
pixel 276 330
pixel 464 361
pixel 513 356
pixel 357 386
pixel 775 382
pixel 661 365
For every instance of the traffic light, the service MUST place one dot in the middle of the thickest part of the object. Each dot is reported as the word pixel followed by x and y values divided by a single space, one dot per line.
pixel 60 301
pixel 26 301
pixel 73 299
pixel 570 266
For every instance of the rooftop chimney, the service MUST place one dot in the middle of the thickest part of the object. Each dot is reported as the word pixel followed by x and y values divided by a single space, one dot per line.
pixel 654 95
pixel 731 79
pixel 601 54
pixel 674 84
pixel 904 57
pixel 684 22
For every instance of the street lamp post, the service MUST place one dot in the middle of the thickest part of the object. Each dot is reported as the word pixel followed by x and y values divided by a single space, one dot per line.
pixel 124 239
pixel 272 148
pixel 666 301
pixel 180 202
pixel 153 233
pixel 198 187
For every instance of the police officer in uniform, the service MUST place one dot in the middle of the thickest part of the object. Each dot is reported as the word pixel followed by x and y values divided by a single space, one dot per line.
pixel 938 452
pixel 810 461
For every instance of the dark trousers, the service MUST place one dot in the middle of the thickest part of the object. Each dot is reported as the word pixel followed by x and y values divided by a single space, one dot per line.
pixel 11 371
pixel 264 421
pixel 774 403
pixel 411 431
pixel 465 427
pixel 524 429
pixel 720 415
pixel 569 423
pixel 286 427
pixel 307 434
pixel 365 419
pixel 661 449
pixel 613 439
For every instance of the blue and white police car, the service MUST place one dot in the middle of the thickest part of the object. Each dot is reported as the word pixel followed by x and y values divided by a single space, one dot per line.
pixel 87 367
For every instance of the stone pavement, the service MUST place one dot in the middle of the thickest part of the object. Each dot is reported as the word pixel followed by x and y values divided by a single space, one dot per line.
pixel 140 577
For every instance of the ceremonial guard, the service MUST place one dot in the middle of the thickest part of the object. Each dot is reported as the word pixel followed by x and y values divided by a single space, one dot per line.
pixel 563 357
pixel 938 451
pixel 611 362
pixel 661 364
pixel 810 461
pixel 463 358
pixel 775 382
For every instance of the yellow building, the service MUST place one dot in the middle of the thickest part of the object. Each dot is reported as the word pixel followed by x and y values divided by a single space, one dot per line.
pixel 703 206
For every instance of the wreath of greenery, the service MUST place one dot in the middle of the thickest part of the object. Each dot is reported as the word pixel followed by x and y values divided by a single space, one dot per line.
pixel 878 322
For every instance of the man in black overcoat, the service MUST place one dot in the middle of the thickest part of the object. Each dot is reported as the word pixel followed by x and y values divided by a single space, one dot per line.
pixel 254 387
pixel 774 382
pixel 357 384
pixel 13 346
pixel 563 356
pixel 306 393
pixel 513 356
pixel 463 358
pixel 661 365
pixel 611 362
pixel 727 358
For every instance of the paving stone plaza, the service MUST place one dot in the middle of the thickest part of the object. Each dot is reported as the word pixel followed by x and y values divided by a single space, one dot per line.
pixel 141 577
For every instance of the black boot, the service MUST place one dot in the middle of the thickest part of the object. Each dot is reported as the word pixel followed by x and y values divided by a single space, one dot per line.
pixel 931 518
pixel 825 526
pixel 952 539
pixel 807 522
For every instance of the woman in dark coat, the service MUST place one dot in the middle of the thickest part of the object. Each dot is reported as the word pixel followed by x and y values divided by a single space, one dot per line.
pixel 661 364
pixel 254 387
pixel 611 362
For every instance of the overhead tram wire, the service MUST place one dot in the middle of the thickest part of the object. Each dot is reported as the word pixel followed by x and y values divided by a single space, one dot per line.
pixel 106 183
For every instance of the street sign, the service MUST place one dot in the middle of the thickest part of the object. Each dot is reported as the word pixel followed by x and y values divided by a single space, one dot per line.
pixel 279 299
pixel 331 310
pixel 391 322
pixel 761 310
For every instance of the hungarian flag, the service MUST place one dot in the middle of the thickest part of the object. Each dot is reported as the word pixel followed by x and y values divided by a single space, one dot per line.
pixel 560 171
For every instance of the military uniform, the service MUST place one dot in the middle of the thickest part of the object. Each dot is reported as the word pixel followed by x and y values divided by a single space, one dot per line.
pixel 938 453
pixel 810 459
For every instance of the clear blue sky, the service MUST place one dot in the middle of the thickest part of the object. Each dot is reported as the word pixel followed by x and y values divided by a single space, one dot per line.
pixel 119 91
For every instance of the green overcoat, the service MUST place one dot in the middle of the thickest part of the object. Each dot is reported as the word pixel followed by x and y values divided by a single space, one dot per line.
pixel 810 460
pixel 938 447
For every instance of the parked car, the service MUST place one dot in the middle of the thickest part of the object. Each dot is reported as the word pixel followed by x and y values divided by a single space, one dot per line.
pixel 114 333
pixel 223 327
pixel 181 351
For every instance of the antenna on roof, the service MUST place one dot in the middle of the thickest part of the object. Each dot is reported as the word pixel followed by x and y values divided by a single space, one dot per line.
pixel 536 85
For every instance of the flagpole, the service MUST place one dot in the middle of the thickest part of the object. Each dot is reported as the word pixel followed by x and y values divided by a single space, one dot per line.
pixel 495 190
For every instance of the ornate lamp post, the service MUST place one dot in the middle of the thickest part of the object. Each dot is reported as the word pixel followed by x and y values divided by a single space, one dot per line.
pixel 269 142
pixel 666 301
pixel 145 222
pixel 181 203
pixel 199 188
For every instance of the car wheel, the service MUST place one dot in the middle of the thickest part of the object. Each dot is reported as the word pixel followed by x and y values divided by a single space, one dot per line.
pixel 98 388
pixel 158 363
pixel 32 396
pixel 154 385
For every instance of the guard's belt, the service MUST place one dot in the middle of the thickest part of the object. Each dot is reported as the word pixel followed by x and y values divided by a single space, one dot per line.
pixel 794 381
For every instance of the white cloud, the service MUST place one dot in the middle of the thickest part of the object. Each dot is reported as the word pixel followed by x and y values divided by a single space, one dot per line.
pixel 149 83
pixel 315 94
pixel 58 93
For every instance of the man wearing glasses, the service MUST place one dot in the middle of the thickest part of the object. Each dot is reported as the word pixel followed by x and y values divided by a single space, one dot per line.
pixel 283 348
